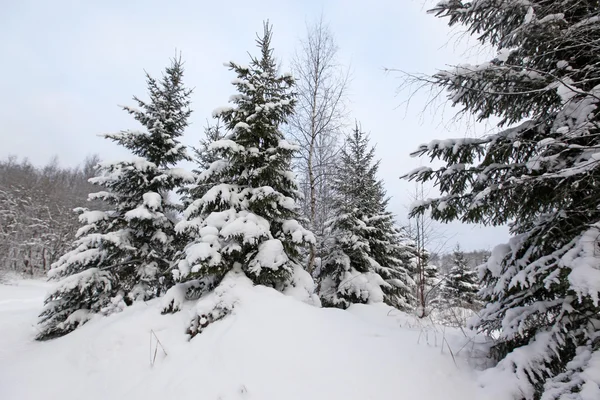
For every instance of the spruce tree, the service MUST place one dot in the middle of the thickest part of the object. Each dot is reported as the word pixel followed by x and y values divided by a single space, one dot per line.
pixel 348 274
pixel 122 254
pixel 539 173
pixel 460 287
pixel 247 220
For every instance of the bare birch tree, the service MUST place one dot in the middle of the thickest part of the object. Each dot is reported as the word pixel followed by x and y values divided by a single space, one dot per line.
pixel 320 115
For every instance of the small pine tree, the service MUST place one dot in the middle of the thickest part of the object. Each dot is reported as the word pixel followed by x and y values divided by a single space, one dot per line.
pixel 122 254
pixel 348 274
pixel 247 219
pixel 460 287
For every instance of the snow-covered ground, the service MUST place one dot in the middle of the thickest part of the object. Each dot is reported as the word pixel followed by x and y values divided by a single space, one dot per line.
pixel 272 347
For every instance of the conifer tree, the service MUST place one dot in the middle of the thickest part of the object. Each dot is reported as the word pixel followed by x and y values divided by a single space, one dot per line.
pixel 460 287
pixel 348 273
pixel 122 254
pixel 539 173
pixel 247 220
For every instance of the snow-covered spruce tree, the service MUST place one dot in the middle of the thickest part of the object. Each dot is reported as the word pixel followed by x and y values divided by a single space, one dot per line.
pixel 246 223
pixel 394 253
pixel 122 254
pixel 460 286
pixel 348 273
pixel 539 173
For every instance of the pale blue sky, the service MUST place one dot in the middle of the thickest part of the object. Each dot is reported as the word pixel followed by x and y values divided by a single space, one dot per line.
pixel 67 64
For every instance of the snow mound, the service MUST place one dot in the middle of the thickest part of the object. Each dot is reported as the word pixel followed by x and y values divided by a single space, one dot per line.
pixel 269 347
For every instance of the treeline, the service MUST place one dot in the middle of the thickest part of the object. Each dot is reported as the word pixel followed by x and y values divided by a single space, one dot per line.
pixel 37 218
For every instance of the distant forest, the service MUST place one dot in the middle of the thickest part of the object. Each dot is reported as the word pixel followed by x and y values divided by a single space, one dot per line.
pixel 37 218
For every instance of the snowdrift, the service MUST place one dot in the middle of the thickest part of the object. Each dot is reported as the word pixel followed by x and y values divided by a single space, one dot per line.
pixel 271 347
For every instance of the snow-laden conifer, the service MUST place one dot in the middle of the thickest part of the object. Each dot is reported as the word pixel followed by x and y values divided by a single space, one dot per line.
pixel 123 253
pixel 539 173
pixel 364 262
pixel 246 222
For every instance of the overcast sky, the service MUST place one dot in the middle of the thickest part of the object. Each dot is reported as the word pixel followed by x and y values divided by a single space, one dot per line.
pixel 66 65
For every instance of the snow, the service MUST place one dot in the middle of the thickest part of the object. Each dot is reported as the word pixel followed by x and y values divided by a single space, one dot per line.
pixel 226 144
pixel 217 112
pixel 91 217
pixel 503 54
pixel 529 16
pixel 270 347
pixel 138 213
pixel 241 125
pixel 181 173
pixel 587 21
pixel 585 265
pixel 552 17
pixel 297 231
pixel 152 200
pixel 250 227
pixel 494 263
pixel 270 255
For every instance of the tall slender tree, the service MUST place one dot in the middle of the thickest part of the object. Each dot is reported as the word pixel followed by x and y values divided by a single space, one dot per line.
pixel 123 253
pixel 541 176
pixel 317 124
pixel 247 219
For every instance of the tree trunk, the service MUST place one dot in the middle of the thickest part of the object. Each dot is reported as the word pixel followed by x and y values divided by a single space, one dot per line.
pixel 313 200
